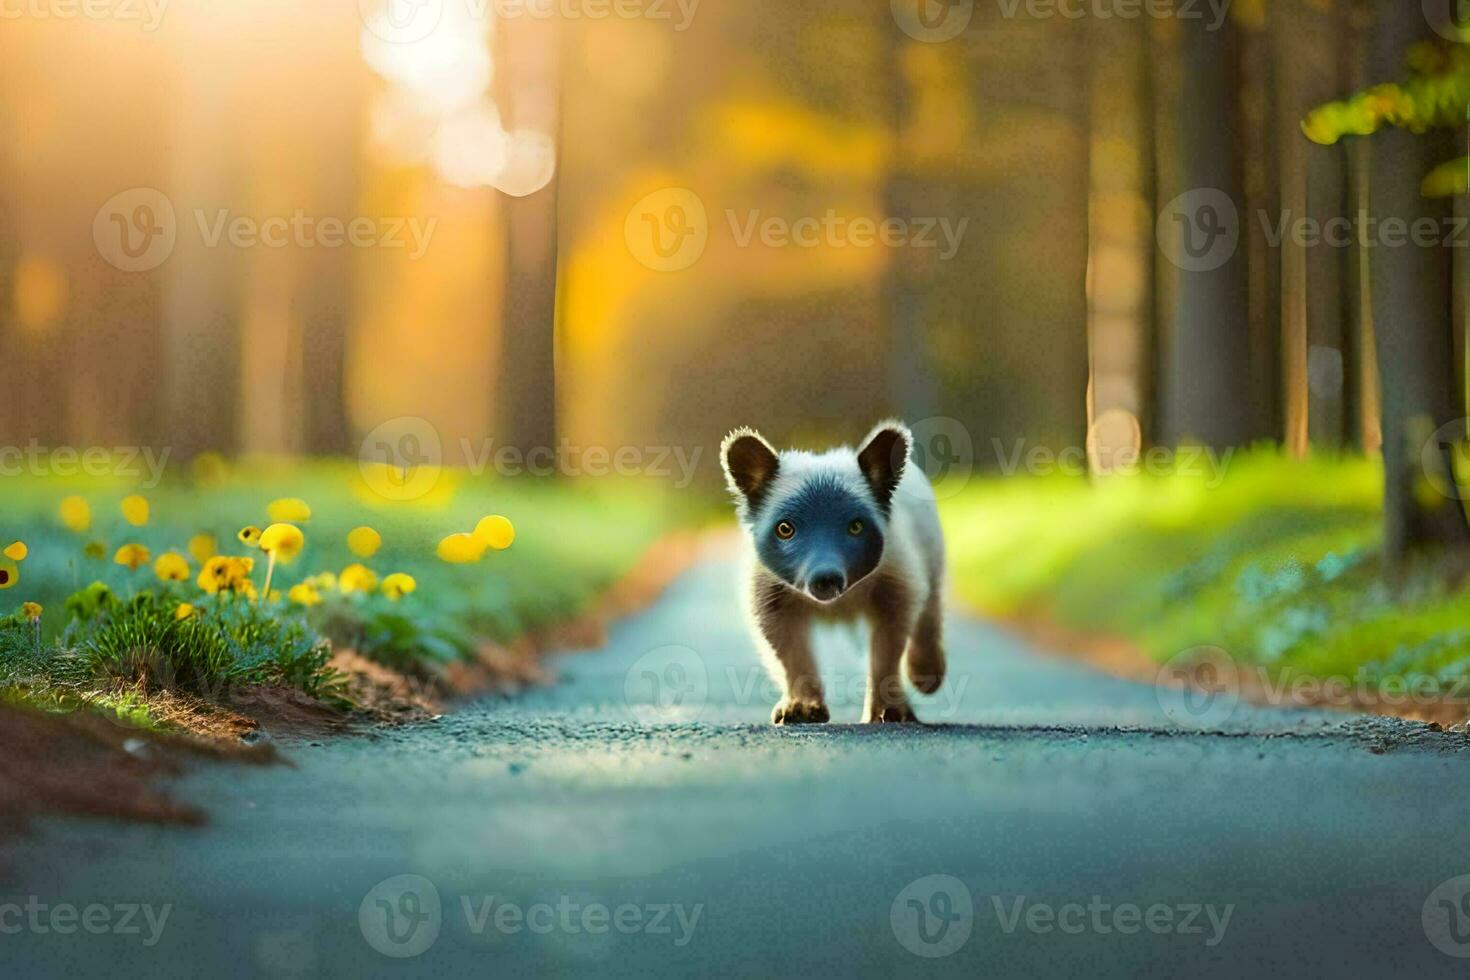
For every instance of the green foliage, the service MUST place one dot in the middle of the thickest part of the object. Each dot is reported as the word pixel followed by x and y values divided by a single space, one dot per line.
pixel 1278 564
pixel 1435 94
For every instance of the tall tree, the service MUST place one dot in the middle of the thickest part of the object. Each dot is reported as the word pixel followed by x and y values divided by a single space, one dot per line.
pixel 1209 385
pixel 1412 316
pixel 528 93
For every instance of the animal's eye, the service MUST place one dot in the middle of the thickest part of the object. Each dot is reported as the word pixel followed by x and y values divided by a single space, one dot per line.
pixel 855 528
pixel 785 530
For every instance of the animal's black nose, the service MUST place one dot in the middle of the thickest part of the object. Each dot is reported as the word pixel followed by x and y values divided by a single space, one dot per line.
pixel 828 585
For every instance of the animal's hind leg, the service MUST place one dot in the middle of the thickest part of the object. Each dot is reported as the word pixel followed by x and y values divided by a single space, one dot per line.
pixel 925 660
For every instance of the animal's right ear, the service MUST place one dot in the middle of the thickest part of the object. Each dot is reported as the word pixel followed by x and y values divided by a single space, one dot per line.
pixel 750 464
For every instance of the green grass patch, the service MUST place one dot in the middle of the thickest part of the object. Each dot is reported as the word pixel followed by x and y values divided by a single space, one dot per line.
pixel 1278 563
pixel 103 622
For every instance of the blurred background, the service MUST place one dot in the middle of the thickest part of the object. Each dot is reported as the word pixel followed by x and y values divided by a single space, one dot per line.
pixel 272 226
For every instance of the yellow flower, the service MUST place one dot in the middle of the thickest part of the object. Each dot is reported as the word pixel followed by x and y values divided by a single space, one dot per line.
pixel 203 547
pixel 9 573
pixel 185 611
pixel 131 556
pixel 209 469
pixel 461 549
pixel 17 551
pixel 398 585
pixel 495 532
pixel 357 578
pixel 364 542
pixel 304 594
pixel 135 510
pixel 249 536
pixel 96 550
pixel 76 514
pixel 31 611
pixel 246 588
pixel 171 567
pixel 282 541
pixel 323 582
pixel 225 574
pixel 288 509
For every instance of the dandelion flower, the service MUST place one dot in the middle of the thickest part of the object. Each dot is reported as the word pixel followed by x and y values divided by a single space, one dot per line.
pixel 364 542
pixel 95 550
pixel 461 549
pixel 324 581
pixel 357 578
pixel 288 509
pixel 131 556
pixel 76 514
pixel 9 573
pixel 185 611
pixel 203 547
pixel 17 551
pixel 31 611
pixel 225 574
pixel 282 541
pixel 171 567
pixel 398 585
pixel 249 536
pixel 495 532
pixel 135 510
pixel 304 594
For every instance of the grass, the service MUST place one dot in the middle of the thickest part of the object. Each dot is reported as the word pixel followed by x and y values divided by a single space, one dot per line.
pixel 105 626
pixel 1278 565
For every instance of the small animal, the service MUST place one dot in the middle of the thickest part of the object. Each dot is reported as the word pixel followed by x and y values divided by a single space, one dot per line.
pixel 841 535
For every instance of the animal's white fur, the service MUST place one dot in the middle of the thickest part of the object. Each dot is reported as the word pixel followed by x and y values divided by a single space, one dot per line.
pixel 901 598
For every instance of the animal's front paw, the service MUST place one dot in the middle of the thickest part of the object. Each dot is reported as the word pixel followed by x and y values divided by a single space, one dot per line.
pixel 890 714
pixel 792 711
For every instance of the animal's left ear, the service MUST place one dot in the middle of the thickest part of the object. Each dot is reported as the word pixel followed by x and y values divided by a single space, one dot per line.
pixel 884 456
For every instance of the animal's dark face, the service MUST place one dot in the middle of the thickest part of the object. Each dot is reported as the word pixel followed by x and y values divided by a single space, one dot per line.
pixel 818 522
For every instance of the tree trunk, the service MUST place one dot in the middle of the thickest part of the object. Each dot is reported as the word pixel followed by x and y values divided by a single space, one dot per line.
pixel 525 402
pixel 1210 397
pixel 1412 318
